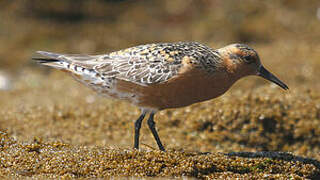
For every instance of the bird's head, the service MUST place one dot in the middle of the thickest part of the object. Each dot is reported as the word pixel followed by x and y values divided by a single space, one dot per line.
pixel 240 60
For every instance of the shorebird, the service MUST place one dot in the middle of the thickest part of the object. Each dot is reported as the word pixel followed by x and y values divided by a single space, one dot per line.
pixel 162 75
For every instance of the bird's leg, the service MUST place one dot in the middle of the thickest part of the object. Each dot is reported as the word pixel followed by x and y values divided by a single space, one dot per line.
pixel 152 124
pixel 137 126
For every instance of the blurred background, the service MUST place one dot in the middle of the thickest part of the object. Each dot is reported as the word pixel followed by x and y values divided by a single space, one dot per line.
pixel 37 102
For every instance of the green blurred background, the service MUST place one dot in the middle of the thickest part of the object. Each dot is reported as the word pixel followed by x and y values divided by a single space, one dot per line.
pixel 253 115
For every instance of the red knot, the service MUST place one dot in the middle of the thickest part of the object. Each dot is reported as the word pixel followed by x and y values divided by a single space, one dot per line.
pixel 162 75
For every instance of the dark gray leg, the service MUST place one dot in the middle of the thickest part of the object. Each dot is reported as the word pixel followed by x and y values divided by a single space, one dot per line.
pixel 137 126
pixel 152 124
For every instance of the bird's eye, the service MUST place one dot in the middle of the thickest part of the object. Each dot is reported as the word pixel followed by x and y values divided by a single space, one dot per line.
pixel 248 59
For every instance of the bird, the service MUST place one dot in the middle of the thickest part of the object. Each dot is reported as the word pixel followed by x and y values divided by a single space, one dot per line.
pixel 160 76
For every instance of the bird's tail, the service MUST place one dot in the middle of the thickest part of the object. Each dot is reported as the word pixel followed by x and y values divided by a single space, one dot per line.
pixel 54 60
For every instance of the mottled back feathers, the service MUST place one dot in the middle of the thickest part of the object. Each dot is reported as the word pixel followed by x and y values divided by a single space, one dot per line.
pixel 144 64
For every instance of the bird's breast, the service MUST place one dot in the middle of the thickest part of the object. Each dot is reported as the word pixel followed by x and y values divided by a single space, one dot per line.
pixel 182 90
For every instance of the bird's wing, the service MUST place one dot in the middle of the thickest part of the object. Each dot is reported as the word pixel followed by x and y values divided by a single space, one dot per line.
pixel 137 69
pixel 59 60
pixel 134 69
pixel 67 57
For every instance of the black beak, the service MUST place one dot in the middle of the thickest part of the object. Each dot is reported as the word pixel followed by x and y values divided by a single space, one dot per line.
pixel 267 75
